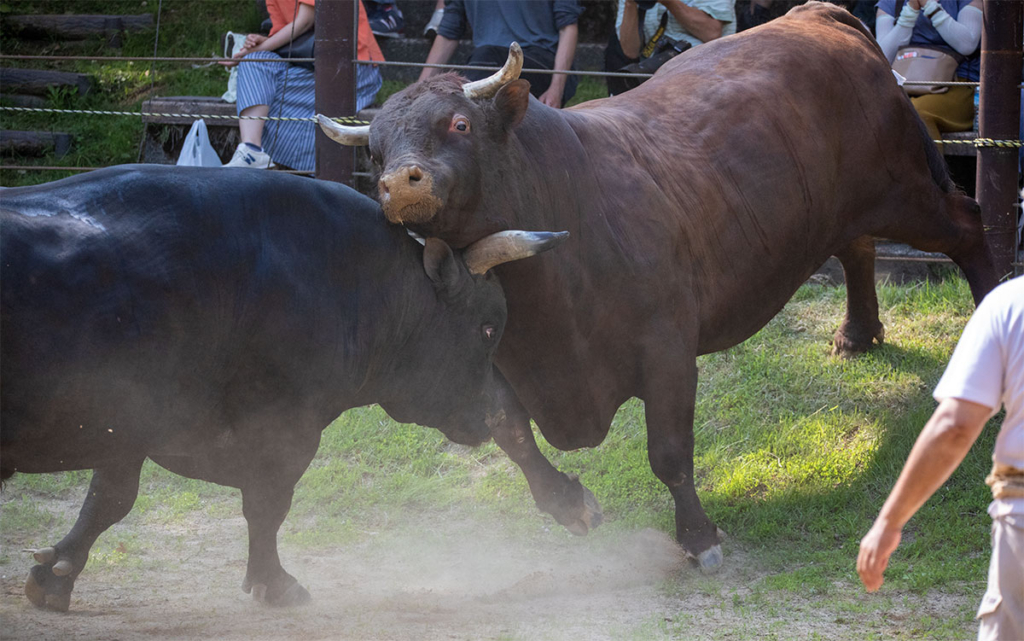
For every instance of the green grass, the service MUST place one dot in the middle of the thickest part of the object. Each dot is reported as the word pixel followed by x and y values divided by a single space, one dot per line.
pixel 796 450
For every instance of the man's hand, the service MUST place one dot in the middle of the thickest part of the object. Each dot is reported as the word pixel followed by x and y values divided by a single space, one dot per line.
pixel 875 549
pixel 916 5
pixel 253 40
pixel 552 97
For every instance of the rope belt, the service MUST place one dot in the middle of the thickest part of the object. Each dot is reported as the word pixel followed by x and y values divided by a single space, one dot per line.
pixel 1006 482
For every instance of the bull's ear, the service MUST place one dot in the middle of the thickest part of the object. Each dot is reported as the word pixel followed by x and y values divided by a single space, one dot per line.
pixel 511 102
pixel 440 264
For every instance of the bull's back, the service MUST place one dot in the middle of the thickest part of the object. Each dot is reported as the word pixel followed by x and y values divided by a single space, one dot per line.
pixel 138 303
pixel 755 157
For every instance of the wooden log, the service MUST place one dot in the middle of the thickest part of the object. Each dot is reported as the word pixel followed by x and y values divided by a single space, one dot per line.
pixel 37 82
pixel 35 143
pixel 18 100
pixel 198 105
pixel 77 27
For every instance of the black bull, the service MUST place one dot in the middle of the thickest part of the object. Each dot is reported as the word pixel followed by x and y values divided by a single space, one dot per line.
pixel 216 322
pixel 698 203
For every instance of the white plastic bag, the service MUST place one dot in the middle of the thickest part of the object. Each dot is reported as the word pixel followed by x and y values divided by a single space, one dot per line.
pixel 232 43
pixel 197 150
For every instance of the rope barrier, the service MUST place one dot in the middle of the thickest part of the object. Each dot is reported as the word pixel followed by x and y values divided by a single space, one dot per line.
pixel 85 169
pixel 388 63
pixel 983 142
pixel 150 59
pixel 348 120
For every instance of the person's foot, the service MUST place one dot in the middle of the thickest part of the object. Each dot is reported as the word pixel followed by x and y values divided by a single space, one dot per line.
pixel 431 29
pixel 249 155
pixel 386 21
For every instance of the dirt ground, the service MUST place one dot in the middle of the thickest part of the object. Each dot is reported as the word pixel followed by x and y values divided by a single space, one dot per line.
pixel 449 578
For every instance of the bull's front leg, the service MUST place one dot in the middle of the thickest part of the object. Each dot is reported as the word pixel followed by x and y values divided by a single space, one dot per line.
pixel 560 495
pixel 265 504
pixel 112 494
pixel 669 399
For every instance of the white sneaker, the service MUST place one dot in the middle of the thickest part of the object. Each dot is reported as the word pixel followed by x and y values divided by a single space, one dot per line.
pixel 435 20
pixel 246 156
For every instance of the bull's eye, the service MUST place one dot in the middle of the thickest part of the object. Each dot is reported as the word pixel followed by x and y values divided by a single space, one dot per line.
pixel 460 124
pixel 490 333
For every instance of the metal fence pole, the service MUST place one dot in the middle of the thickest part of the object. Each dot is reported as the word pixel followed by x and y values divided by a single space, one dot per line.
pixel 999 118
pixel 335 49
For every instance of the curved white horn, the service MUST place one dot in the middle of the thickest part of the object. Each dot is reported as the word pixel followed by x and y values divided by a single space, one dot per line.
pixel 489 86
pixel 348 136
pixel 506 246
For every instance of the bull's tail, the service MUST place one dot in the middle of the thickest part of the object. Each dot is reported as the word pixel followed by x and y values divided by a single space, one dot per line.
pixel 936 163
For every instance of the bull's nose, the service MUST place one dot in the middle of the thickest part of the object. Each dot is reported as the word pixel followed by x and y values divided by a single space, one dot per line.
pixel 406 193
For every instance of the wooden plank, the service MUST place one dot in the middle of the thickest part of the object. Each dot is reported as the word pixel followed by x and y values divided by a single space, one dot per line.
pixel 37 82
pixel 960 150
pixel 202 105
pixel 77 27
pixel 35 143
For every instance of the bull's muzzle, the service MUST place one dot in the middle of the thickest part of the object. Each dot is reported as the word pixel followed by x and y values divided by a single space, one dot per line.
pixel 407 195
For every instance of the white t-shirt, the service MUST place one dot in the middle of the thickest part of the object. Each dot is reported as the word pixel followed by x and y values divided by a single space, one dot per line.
pixel 987 368
pixel 722 10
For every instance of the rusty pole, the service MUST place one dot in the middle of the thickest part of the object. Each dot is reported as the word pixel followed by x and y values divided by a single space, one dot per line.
pixel 335 49
pixel 999 118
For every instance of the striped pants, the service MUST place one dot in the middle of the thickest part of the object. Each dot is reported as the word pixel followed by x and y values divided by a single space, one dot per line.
pixel 288 90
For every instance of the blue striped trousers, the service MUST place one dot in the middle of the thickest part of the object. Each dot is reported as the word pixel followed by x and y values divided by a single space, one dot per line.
pixel 288 90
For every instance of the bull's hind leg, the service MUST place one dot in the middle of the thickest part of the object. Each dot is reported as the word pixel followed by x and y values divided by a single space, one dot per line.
pixel 861 326
pixel 111 496
pixel 265 504
pixel 560 495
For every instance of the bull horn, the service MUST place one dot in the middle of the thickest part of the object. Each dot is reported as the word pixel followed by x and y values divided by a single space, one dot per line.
pixel 506 246
pixel 489 86
pixel 346 135
pixel 63 567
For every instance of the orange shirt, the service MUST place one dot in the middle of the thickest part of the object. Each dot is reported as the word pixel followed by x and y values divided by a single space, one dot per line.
pixel 282 12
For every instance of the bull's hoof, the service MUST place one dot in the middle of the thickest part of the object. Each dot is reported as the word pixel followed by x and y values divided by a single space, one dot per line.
pixel 848 343
pixel 710 560
pixel 575 507
pixel 291 596
pixel 46 590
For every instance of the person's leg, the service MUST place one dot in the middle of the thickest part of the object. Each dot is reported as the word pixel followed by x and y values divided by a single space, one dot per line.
pixel 258 85
pixel 950 111
pixel 1002 609
pixel 368 83
pixel 251 131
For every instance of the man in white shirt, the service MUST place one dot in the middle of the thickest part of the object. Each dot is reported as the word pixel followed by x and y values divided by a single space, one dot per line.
pixel 985 372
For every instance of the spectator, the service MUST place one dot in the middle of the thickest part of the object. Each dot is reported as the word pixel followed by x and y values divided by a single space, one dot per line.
pixel 640 26
pixel 944 24
pixel 986 371
pixel 287 90
pixel 386 20
pixel 755 15
pixel 547 32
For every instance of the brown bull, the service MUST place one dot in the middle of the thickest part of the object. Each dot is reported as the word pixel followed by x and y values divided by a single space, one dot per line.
pixel 698 203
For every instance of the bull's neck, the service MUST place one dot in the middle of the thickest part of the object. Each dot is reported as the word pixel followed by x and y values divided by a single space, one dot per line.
pixel 535 181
